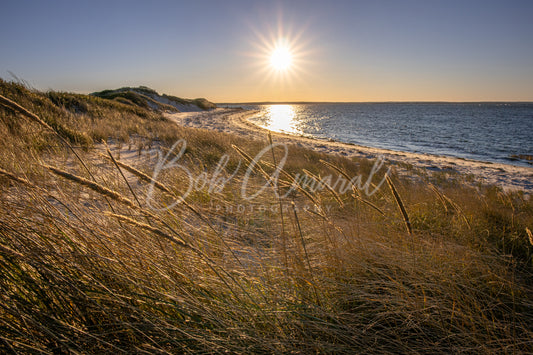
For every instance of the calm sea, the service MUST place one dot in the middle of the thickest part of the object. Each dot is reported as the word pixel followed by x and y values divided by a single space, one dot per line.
pixel 494 132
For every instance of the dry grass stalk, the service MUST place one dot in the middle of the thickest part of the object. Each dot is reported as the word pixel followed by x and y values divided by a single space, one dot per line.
pixel 157 184
pixel 445 200
pixel 163 188
pixel 140 174
pixel 280 202
pixel 304 246
pixel 4 101
pixel 398 200
pixel 356 192
pixel 21 110
pixel 151 229
pixel 328 187
pixel 16 178
pixel 93 186
pixel 122 174
pixel 249 159
pixel 108 193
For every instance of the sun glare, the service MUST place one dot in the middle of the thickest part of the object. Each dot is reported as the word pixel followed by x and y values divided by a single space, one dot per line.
pixel 281 58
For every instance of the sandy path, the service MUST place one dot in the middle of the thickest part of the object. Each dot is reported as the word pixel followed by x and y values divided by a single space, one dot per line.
pixel 234 121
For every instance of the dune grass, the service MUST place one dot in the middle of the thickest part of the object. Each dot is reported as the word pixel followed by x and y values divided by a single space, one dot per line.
pixel 88 267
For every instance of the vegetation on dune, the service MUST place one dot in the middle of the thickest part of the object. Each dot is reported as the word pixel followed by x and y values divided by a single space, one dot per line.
pixel 147 98
pixel 89 267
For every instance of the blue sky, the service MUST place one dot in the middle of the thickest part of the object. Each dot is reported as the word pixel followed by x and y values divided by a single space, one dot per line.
pixel 343 50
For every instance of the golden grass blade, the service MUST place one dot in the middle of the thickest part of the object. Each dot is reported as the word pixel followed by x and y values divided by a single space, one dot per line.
pixel 107 193
pixel 440 196
pixel 370 204
pixel 530 235
pixel 329 188
pixel 16 178
pixel 17 108
pixel 122 174
pixel 249 160
pixel 8 251
pixel 305 251
pixel 93 186
pixel 4 101
pixel 445 200
pixel 278 192
pixel 357 193
pixel 400 205
pixel 150 229
pixel 149 179
pixel 340 171
pixel 140 174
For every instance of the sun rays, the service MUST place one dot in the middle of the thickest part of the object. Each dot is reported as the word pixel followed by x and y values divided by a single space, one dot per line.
pixel 279 55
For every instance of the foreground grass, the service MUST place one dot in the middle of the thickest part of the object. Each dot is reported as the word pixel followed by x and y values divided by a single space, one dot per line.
pixel 88 267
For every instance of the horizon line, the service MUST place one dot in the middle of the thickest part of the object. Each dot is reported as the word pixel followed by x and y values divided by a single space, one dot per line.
pixel 371 102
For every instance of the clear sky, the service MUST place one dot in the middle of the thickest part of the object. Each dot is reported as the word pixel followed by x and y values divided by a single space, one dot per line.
pixel 342 50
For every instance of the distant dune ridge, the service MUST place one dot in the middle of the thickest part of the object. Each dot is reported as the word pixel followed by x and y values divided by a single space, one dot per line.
pixel 148 98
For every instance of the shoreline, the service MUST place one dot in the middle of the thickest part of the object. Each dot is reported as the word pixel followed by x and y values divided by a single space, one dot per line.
pixel 235 121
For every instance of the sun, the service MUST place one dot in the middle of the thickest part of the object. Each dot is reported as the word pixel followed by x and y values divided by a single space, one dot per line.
pixel 281 58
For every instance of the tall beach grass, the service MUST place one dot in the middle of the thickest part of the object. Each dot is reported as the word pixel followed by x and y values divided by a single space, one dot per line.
pixel 88 267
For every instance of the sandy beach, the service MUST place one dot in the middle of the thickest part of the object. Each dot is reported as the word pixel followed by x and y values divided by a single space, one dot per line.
pixel 235 121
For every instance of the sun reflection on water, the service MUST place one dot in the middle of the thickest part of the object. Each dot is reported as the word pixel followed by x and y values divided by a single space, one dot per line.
pixel 282 118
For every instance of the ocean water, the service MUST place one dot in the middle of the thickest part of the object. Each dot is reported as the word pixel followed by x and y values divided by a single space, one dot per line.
pixel 493 132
